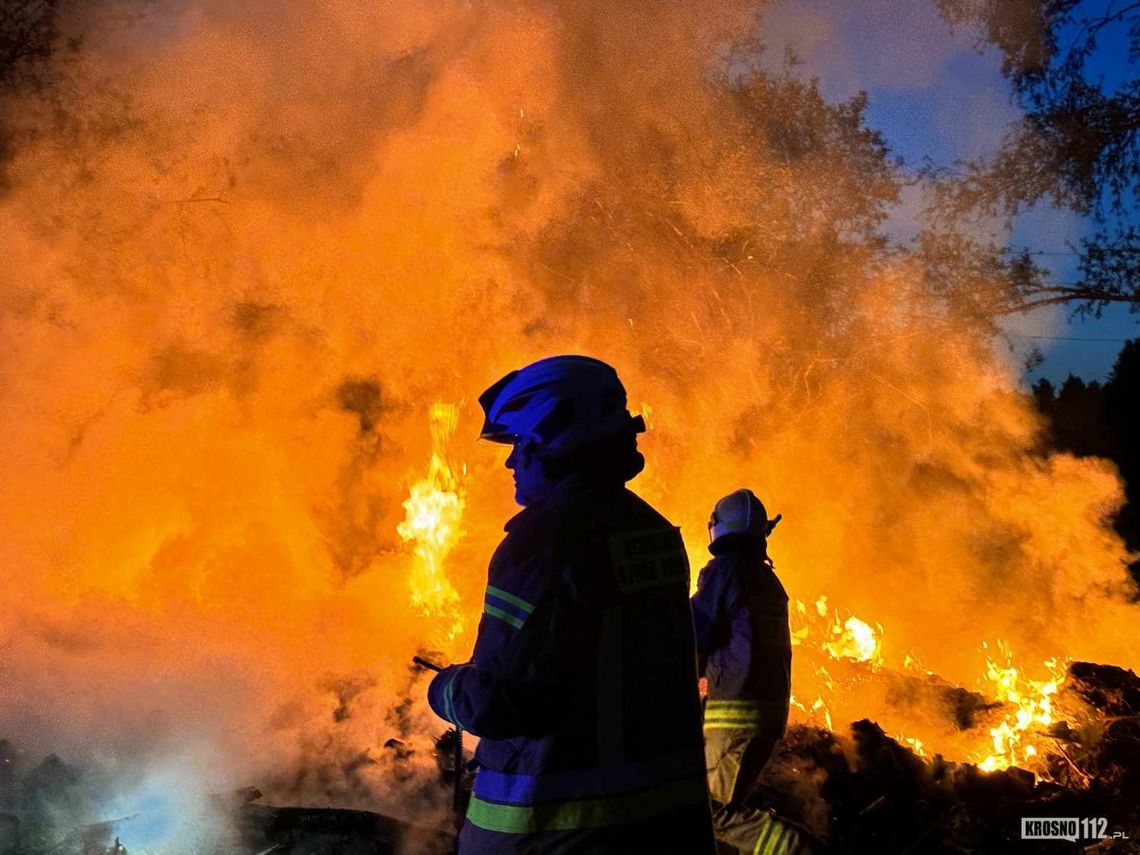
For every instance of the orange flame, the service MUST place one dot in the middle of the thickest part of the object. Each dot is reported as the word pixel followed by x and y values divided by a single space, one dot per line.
pixel 1017 738
pixel 856 639
pixel 433 523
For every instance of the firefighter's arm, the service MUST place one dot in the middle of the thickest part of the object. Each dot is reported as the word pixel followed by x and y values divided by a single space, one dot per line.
pixel 524 701
pixel 484 704
pixel 704 608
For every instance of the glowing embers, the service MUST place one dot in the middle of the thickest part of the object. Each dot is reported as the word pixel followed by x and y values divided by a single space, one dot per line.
pixel 433 516
pixel 915 744
pixel 1016 740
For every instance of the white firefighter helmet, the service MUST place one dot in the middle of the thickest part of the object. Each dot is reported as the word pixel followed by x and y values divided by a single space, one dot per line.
pixel 740 513
pixel 559 404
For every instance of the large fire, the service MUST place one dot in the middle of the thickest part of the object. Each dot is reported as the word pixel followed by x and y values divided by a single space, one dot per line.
pixel 248 245
pixel 1027 705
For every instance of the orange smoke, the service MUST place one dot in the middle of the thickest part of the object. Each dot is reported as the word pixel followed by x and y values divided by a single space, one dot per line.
pixel 250 244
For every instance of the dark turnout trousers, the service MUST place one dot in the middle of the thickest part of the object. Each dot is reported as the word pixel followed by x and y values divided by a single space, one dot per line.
pixel 679 832
pixel 735 759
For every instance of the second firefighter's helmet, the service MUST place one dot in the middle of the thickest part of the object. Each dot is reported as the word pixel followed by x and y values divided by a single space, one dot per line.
pixel 740 513
pixel 558 404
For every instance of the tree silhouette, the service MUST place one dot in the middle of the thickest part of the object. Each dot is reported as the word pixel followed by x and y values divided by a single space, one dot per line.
pixel 1077 146
pixel 1089 419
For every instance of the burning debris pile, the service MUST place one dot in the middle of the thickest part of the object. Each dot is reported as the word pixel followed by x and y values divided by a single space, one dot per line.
pixel 865 791
pixel 859 790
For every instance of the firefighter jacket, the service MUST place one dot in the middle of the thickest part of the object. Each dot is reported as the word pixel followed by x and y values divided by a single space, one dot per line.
pixel 740 613
pixel 582 685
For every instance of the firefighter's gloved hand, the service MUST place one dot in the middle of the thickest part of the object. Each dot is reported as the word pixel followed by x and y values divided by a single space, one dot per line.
pixel 441 689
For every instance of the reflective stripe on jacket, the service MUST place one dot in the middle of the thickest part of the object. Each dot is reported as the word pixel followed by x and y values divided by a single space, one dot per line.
pixel 586 798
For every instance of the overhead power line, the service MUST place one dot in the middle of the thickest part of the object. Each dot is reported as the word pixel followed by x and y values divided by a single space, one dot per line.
pixel 1068 338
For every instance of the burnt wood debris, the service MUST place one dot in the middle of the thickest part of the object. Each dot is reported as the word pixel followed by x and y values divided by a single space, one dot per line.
pixel 860 789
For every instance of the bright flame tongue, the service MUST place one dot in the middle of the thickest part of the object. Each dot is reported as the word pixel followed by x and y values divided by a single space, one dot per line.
pixel 434 511
pixel 1013 741
pixel 856 640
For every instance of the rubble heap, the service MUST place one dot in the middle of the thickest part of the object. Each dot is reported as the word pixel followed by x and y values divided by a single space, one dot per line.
pixel 861 791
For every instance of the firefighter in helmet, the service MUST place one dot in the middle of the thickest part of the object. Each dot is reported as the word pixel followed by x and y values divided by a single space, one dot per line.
pixel 582 684
pixel 740 613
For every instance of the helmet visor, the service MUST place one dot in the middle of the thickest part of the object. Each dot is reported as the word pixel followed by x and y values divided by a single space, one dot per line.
pixel 493 431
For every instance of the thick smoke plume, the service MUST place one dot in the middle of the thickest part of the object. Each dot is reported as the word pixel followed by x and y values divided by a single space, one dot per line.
pixel 248 246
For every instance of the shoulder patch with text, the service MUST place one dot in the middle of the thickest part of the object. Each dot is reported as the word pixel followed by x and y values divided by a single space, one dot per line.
pixel 648 559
